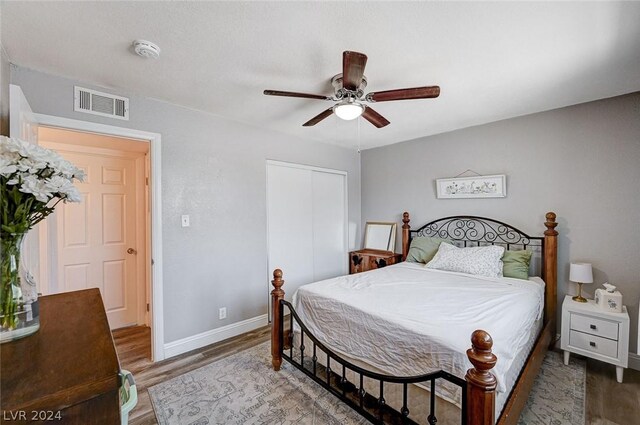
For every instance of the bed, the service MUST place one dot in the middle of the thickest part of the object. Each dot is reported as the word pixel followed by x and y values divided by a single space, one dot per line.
pixel 392 343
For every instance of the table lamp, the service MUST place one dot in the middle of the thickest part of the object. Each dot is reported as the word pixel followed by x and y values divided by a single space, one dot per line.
pixel 580 273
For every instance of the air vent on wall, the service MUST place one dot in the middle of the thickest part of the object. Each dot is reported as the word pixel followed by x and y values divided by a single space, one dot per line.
pixel 99 103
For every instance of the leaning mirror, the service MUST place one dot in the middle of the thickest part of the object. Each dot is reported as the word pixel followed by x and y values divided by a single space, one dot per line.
pixel 380 236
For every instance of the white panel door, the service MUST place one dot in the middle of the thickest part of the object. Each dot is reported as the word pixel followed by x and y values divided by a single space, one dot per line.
pixel 96 238
pixel 289 212
pixel 329 225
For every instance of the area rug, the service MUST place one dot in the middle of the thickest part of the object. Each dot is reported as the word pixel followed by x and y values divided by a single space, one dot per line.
pixel 558 393
pixel 243 389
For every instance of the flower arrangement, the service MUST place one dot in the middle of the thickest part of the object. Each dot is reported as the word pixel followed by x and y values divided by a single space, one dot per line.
pixel 33 180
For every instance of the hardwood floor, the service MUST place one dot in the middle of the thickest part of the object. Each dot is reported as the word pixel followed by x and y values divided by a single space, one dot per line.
pixel 607 402
pixel 134 351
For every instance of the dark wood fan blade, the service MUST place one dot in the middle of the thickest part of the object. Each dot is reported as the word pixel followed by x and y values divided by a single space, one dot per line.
pixel 405 94
pixel 295 94
pixel 375 118
pixel 353 64
pixel 315 120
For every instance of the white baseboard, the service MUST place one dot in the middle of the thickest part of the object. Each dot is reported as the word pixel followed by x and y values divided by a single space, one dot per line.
pixel 215 335
pixel 634 361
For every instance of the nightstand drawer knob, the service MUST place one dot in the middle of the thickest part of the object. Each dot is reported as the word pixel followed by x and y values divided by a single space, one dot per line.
pixel 591 343
pixel 594 327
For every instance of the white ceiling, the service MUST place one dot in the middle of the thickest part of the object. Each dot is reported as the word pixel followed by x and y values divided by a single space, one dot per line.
pixel 492 60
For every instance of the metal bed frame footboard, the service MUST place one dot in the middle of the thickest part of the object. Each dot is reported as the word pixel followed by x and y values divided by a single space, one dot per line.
pixel 375 409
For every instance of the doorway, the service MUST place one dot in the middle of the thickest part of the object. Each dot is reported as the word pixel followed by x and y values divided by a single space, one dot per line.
pixel 102 242
pixel 156 305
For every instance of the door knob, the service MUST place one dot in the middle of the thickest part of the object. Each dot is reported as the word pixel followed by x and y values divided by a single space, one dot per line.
pixel 131 251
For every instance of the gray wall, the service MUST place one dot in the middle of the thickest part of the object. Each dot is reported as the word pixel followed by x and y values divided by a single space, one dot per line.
pixel 583 162
pixel 214 170
pixel 4 93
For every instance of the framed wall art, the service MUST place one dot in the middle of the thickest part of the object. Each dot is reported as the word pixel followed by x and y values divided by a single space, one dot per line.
pixel 380 236
pixel 472 187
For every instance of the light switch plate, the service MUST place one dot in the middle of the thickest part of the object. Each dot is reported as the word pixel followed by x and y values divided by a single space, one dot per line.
pixel 185 221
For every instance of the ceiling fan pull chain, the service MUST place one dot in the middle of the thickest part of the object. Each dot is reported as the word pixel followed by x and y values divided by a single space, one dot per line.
pixel 359 121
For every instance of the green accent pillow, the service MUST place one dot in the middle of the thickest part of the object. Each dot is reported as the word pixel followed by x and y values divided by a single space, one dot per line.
pixel 516 264
pixel 423 248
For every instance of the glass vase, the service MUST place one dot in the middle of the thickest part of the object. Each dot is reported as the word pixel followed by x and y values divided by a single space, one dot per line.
pixel 19 312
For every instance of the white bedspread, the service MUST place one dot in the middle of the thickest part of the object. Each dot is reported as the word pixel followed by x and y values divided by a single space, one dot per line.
pixel 408 320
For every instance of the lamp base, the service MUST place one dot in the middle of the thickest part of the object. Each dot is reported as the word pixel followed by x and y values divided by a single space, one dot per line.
pixel 579 298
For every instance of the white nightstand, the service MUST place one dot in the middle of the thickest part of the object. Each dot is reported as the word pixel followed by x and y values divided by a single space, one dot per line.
pixel 594 333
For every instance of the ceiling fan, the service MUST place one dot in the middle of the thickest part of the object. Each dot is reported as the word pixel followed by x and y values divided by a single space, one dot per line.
pixel 349 93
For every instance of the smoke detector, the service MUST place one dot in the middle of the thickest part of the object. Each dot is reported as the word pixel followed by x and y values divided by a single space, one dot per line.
pixel 146 49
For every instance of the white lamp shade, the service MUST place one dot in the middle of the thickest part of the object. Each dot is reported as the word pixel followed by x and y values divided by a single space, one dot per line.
pixel 348 110
pixel 581 272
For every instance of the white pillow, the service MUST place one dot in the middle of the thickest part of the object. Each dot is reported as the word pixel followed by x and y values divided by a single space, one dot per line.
pixel 481 260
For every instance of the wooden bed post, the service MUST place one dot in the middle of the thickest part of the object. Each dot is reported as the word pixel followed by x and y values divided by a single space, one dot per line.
pixel 520 393
pixel 550 272
pixel 481 383
pixel 405 235
pixel 276 295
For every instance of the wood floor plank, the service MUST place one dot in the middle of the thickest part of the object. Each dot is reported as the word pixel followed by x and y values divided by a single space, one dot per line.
pixel 609 402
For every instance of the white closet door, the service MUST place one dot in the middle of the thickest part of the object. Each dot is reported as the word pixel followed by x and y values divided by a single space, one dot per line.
pixel 329 225
pixel 307 224
pixel 290 214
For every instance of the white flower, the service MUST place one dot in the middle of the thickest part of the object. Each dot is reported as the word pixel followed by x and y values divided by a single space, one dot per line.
pixel 7 167
pixel 31 184
pixel 63 167
pixel 32 164
pixel 64 188
pixel 72 195
pixel 10 145
pixel 16 179
pixel 79 175
pixel 39 153
pixel 38 171
pixel 57 184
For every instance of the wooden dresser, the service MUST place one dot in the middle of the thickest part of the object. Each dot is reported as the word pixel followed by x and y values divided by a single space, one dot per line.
pixel 369 259
pixel 65 373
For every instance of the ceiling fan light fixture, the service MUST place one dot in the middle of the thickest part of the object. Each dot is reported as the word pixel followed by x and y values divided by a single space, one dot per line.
pixel 348 109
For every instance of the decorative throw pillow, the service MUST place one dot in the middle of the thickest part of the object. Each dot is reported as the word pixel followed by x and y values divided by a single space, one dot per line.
pixel 423 248
pixel 481 260
pixel 516 264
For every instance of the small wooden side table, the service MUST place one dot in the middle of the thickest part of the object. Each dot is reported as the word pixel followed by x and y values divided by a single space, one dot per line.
pixel 594 333
pixel 370 259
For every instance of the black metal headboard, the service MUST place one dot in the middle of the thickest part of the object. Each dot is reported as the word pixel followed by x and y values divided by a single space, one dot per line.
pixel 467 230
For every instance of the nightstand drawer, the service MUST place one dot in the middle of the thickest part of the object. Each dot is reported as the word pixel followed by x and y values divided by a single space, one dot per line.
pixel 594 344
pixel 594 326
